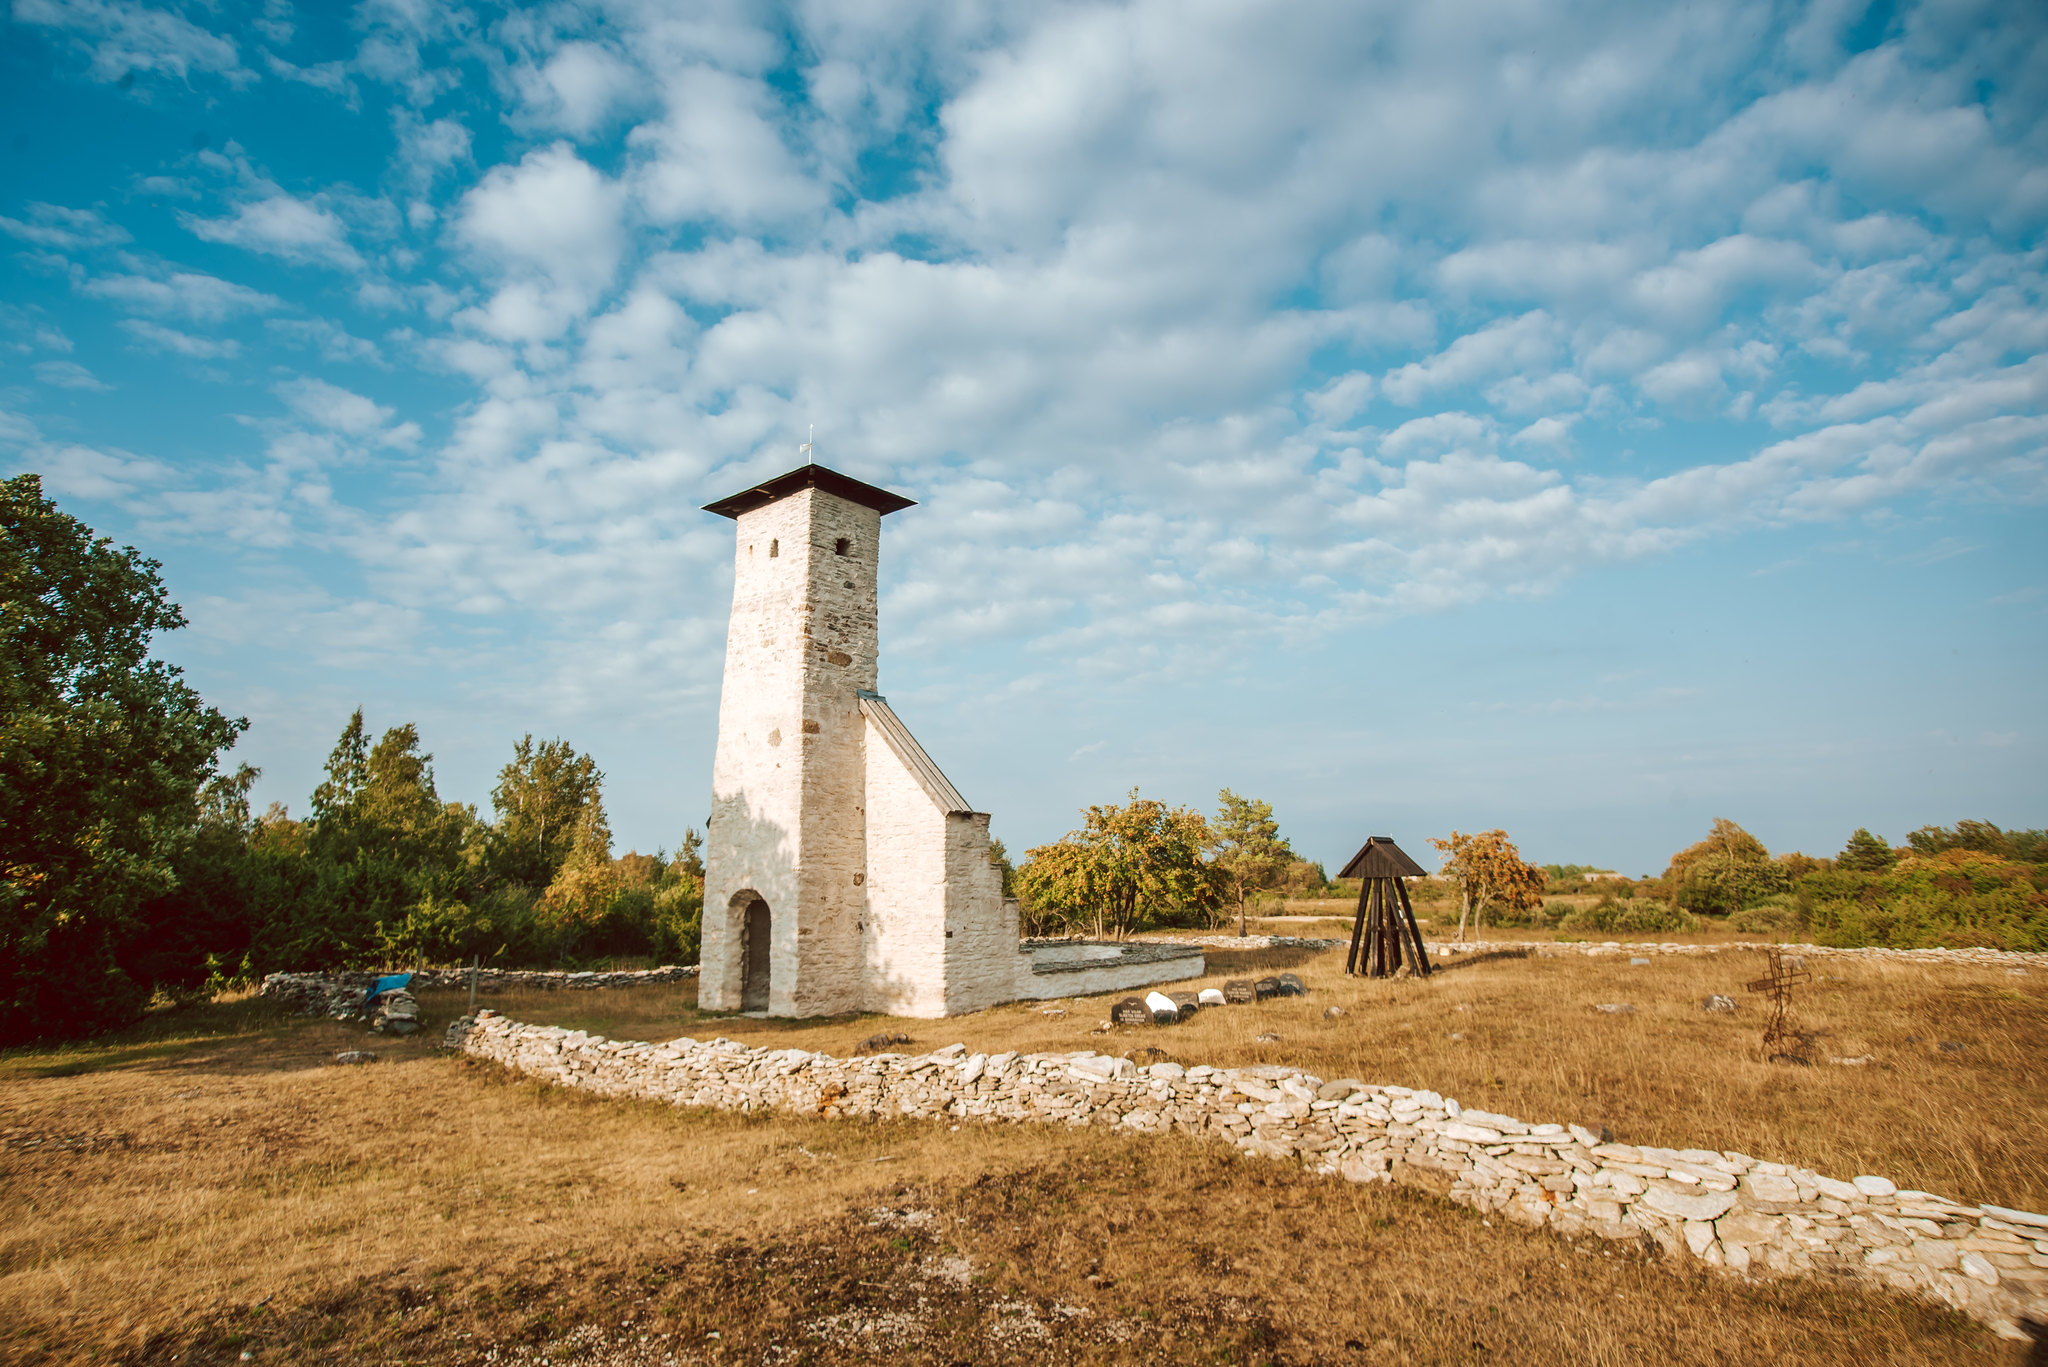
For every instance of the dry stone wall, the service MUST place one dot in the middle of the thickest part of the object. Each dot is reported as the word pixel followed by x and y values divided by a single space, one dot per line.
pixel 1981 958
pixel 335 994
pixel 1735 1213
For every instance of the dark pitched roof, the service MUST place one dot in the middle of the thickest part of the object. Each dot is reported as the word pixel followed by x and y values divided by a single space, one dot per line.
pixel 1380 857
pixel 810 477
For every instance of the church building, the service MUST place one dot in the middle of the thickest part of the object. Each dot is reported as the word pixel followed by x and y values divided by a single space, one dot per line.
pixel 843 871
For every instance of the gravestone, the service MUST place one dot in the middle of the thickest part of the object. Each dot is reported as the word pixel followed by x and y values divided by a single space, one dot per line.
pixel 1212 996
pixel 1266 987
pixel 1292 986
pixel 1188 1003
pixel 1165 1011
pixel 1240 990
pixel 1131 1011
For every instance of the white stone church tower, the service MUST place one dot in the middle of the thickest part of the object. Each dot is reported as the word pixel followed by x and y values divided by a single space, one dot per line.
pixel 843 872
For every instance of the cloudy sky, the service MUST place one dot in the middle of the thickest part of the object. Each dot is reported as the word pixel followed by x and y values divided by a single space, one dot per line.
pixel 1586 420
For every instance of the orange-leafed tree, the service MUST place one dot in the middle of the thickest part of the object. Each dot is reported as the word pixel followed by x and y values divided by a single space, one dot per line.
pixel 1489 872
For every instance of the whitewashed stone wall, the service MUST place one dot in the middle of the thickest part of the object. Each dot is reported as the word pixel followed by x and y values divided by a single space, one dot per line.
pixel 981 927
pixel 1731 1212
pixel 906 919
pixel 787 782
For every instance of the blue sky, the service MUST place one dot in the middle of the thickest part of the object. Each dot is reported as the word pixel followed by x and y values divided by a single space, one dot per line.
pixel 1585 420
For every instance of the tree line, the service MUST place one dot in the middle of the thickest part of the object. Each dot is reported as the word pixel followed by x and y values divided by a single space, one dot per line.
pixel 1971 884
pixel 132 867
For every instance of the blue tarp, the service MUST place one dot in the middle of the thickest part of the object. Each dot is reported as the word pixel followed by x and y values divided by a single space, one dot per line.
pixel 390 982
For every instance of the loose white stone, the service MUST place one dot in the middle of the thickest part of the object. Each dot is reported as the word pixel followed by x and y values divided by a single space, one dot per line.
pixel 1873 1186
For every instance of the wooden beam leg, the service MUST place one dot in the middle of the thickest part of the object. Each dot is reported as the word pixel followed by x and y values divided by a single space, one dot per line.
pixel 1422 965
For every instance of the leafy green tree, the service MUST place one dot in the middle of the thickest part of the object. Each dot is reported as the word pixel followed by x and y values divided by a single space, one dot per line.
pixel 1726 845
pixel 580 899
pixel 102 752
pixel 1726 872
pixel 1249 850
pixel 689 860
pixel 539 801
pixel 1124 864
pixel 201 930
pixel 1865 853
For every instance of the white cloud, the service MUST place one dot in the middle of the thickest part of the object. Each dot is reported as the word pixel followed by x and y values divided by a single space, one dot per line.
pixel 552 224
pixel 428 148
pixel 125 37
pixel 282 226
pixel 159 338
pixel 68 375
pixel 718 155
pixel 87 472
pixel 64 230
pixel 203 298
pixel 343 411
pixel 1513 344
pixel 332 341
pixel 577 88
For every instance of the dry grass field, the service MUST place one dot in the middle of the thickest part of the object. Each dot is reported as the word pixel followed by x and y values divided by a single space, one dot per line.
pixel 1521 1036
pixel 212 1185
pixel 211 1189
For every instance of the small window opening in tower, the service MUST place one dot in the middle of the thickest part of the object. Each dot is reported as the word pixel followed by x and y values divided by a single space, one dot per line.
pixel 839 546
pixel 774 548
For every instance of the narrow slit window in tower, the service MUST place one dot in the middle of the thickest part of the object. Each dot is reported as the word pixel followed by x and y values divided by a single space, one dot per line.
pixel 774 549
pixel 839 546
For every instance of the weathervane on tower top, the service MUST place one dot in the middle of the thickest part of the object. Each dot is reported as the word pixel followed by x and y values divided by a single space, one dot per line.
pixel 805 449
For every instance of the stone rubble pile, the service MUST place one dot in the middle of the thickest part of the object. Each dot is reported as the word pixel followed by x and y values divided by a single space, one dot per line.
pixel 341 994
pixel 397 1013
pixel 1728 1210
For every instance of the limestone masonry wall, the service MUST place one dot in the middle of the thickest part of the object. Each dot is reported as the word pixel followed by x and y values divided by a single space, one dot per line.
pixel 1986 958
pixel 327 993
pixel 1735 1213
pixel 904 933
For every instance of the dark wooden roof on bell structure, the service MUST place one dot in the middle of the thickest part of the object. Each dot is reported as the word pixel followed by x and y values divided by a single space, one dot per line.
pixel 1380 857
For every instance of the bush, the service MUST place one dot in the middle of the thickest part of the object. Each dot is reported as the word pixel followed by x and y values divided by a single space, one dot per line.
pixel 1959 898
pixel 1717 889
pixel 1772 916
pixel 1638 916
pixel 677 933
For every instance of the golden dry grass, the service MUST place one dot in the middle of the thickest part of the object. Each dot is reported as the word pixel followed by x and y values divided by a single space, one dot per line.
pixel 1970 1123
pixel 210 1188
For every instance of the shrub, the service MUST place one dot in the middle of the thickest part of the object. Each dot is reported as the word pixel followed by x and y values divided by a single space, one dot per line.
pixel 1772 916
pixel 1958 897
pixel 1719 889
pixel 677 933
pixel 1640 915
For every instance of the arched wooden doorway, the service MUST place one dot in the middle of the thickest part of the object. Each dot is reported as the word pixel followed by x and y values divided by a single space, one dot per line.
pixel 754 957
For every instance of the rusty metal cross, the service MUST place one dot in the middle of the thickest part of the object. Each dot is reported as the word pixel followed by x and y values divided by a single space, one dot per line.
pixel 1779 984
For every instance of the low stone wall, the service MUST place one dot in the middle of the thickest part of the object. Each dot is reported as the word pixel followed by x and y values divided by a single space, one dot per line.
pixel 1981 958
pixel 1728 1210
pixel 1049 969
pixel 317 994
